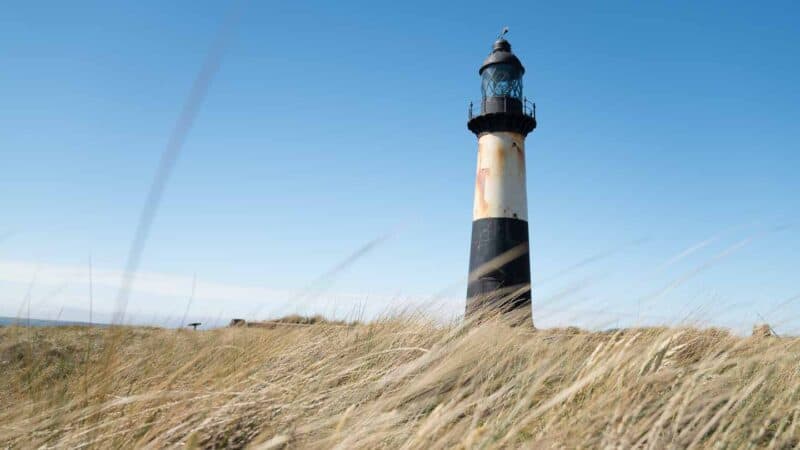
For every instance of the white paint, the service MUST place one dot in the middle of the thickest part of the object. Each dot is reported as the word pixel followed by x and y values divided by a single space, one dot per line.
pixel 500 178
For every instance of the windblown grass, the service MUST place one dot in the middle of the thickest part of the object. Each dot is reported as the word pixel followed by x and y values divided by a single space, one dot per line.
pixel 400 383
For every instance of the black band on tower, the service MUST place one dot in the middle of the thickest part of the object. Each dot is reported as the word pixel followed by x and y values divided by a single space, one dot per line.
pixel 499 265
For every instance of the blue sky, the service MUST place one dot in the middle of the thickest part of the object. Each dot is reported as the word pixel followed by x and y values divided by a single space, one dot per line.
pixel 662 180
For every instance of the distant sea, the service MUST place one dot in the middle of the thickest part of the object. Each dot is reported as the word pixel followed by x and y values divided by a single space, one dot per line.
pixel 24 322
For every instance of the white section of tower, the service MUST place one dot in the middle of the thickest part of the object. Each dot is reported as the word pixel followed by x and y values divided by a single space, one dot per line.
pixel 500 179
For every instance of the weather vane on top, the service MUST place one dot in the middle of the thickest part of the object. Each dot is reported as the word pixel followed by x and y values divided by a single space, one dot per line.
pixel 502 33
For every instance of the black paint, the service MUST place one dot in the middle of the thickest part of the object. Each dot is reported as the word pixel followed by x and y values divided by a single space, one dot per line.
pixel 501 104
pixel 501 54
pixel 507 286
pixel 516 122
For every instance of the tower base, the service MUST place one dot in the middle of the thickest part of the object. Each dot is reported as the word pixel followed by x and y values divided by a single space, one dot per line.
pixel 499 267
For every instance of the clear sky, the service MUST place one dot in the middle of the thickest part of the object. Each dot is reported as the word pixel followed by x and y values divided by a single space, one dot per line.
pixel 662 179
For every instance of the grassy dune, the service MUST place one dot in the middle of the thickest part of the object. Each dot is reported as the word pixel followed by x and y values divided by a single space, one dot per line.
pixel 400 383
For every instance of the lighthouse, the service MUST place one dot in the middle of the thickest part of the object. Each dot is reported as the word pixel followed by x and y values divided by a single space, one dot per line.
pixel 499 261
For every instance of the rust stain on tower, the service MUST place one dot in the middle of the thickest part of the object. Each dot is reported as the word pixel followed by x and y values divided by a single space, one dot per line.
pixel 481 204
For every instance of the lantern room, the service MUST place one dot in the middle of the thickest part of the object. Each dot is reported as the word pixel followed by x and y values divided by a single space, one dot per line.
pixel 501 80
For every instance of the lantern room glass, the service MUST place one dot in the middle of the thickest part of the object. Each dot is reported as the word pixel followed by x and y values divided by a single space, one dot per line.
pixel 501 80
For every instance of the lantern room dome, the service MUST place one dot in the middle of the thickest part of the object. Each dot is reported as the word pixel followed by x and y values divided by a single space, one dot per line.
pixel 502 54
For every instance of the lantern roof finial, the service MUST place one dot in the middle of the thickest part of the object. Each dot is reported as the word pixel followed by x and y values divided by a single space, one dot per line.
pixel 503 33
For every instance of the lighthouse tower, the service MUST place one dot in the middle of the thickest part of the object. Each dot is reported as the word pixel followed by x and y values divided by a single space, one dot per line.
pixel 499 262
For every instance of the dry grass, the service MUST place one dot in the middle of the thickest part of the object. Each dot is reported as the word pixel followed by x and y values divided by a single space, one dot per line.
pixel 400 383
